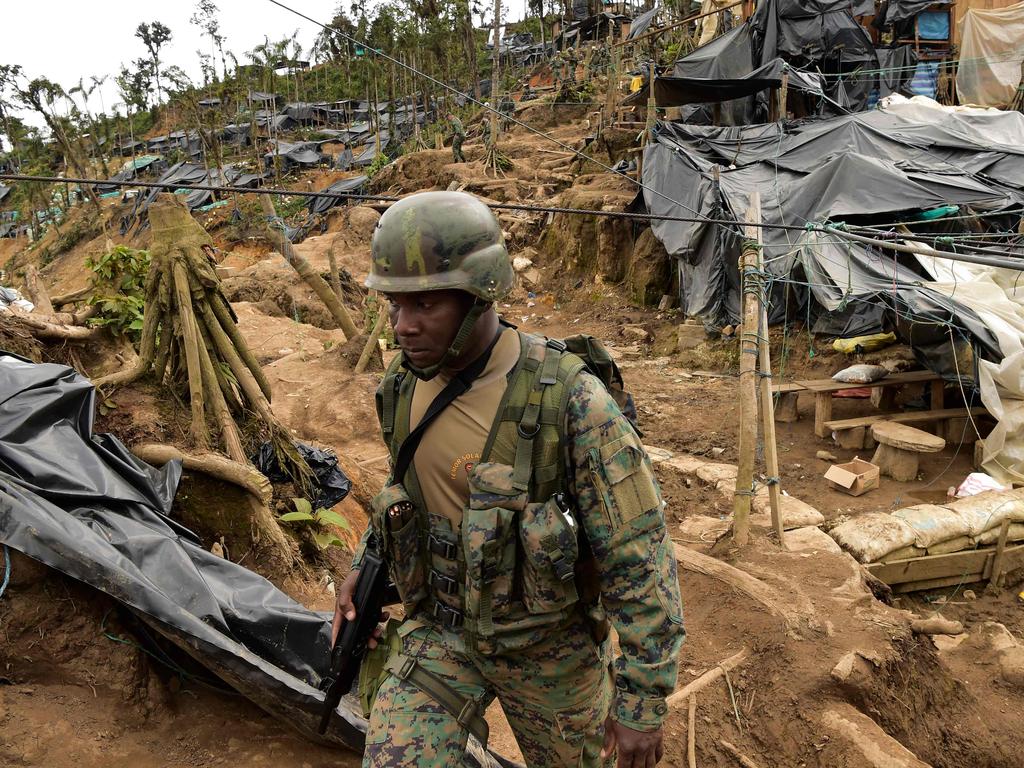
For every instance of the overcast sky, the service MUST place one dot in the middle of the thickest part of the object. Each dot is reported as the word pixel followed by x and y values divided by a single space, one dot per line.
pixel 65 40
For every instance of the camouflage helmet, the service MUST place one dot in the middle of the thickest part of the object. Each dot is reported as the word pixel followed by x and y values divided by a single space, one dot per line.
pixel 433 241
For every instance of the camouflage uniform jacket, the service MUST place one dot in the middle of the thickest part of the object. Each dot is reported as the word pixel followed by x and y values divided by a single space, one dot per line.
pixel 457 127
pixel 622 515
pixel 618 505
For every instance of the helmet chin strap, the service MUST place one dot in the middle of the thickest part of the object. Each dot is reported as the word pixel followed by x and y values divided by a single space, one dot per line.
pixel 458 343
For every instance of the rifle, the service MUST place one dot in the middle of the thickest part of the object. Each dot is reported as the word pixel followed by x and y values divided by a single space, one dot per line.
pixel 373 591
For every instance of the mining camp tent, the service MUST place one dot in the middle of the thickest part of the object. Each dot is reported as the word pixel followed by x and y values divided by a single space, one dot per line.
pixel 320 205
pixel 304 154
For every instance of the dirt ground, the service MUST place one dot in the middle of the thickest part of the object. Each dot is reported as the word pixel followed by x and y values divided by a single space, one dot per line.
pixel 78 690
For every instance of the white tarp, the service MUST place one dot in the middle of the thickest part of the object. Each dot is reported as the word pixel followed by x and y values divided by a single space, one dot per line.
pixel 991 52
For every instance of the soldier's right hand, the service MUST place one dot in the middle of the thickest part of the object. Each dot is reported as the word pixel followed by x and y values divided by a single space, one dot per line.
pixel 345 607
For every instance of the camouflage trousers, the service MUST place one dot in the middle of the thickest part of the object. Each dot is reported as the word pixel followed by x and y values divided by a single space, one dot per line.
pixel 457 149
pixel 555 694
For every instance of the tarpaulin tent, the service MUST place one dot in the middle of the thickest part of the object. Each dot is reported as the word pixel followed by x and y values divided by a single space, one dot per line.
pixel 300 111
pixel 320 205
pixel 4 192
pixel 863 165
pixel 237 134
pixel 991 54
pixel 305 154
pixel 131 170
pixel 676 91
pixel 83 505
pixel 130 147
pixel 258 97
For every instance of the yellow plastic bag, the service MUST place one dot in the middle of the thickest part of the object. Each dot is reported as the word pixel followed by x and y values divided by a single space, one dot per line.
pixel 864 343
pixel 636 84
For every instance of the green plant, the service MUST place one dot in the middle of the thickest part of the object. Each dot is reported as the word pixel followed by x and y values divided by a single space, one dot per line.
pixel 317 523
pixel 119 284
pixel 378 162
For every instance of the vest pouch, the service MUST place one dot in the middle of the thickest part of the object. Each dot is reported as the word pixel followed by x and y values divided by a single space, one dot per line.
pixel 548 537
pixel 396 520
pixel 489 543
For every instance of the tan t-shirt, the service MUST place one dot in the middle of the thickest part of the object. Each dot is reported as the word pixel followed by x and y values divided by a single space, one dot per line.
pixel 456 439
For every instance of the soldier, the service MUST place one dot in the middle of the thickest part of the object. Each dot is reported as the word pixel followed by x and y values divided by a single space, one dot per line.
pixel 507 108
pixel 458 136
pixel 523 518
pixel 557 70
pixel 572 61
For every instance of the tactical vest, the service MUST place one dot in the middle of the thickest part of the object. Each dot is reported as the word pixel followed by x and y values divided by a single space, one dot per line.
pixel 510 572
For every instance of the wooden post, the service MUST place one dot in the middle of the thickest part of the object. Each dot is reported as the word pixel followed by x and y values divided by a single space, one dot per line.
pixel 495 78
pixel 783 96
pixel 771 449
pixel 997 562
pixel 747 383
pixel 691 733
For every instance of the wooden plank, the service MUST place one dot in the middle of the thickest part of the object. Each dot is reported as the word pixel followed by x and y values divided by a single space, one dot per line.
pixel 892 380
pixel 789 386
pixel 907 417
pixel 951 581
pixel 956 565
pixel 938 395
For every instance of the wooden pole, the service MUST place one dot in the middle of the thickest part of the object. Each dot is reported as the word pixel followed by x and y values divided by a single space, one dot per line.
pixel 691 733
pixel 371 342
pixel 748 374
pixel 495 77
pixel 771 449
pixel 997 561
pixel 783 96
pixel 707 678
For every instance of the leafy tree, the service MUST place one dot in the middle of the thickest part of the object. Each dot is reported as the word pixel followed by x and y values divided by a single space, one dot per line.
pixel 205 17
pixel 154 36
pixel 135 84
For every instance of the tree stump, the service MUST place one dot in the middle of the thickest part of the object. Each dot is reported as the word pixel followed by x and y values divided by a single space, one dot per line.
pixel 785 408
pixel 899 449
pixel 851 439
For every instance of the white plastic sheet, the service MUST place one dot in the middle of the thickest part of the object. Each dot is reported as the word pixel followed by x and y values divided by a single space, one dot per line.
pixel 991 52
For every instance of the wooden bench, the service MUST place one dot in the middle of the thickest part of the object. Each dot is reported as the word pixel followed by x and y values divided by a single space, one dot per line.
pixel 823 390
pixel 852 433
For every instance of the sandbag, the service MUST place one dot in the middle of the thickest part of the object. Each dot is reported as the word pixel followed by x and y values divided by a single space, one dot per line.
pixel 872 536
pixel 933 523
pixel 959 544
pixel 861 344
pixel 991 536
pixel 988 510
pixel 861 374
pixel 794 513
pixel 903 553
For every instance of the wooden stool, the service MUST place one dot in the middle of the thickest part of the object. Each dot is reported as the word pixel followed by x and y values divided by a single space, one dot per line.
pixel 899 447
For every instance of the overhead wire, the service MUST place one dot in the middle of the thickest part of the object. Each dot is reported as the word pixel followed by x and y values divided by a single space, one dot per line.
pixel 484 105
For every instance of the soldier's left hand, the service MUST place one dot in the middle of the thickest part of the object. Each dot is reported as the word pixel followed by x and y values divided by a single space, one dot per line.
pixel 637 749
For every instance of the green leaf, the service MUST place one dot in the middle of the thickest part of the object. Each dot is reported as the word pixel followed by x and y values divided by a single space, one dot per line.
pixel 325 540
pixel 291 517
pixel 302 505
pixel 135 325
pixel 327 516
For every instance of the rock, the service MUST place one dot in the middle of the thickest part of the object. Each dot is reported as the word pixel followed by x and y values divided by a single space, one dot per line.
pixel 1011 665
pixel 667 302
pixel 649 269
pixel 689 336
pixel 637 332
pixel 825 456
pixel 810 539
pixel 521 263
pixel 716 452
pixel 795 513
pixel 658 455
pixel 937 625
pixel 531 275
pixel 969 594
pixel 877 748
pixel 729 331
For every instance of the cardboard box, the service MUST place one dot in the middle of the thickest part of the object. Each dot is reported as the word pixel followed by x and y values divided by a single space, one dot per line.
pixel 856 477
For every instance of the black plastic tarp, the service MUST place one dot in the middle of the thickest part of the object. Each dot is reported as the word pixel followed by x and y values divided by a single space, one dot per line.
pixel 873 166
pixel 320 205
pixel 300 111
pixel 83 505
pixel 642 22
pixel 900 10
pixel 304 154
pixel 4 192
pixel 235 133
pixel 676 91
